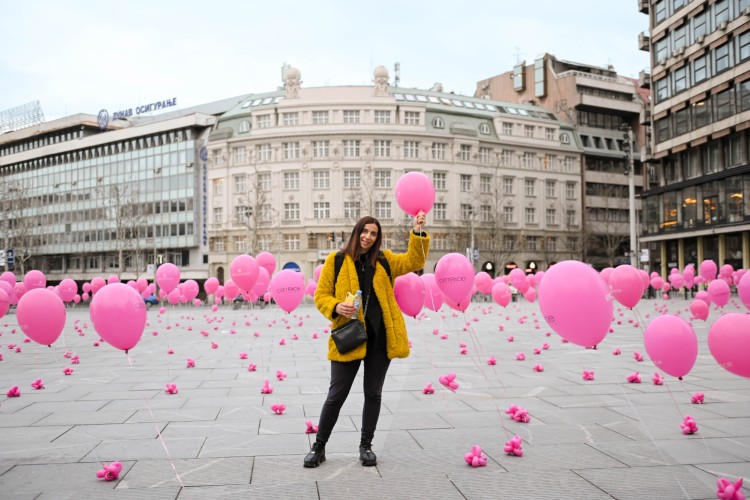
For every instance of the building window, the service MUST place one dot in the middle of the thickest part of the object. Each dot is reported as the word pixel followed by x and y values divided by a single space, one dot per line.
pixel 551 216
pixel 240 184
pixel 532 243
pixel 743 46
pixel 485 213
pixel 321 149
pixel 218 189
pixel 570 190
pixel 551 188
pixel 466 211
pixel 291 180
pixel 263 152
pixel 264 121
pixel 383 210
pixel 528 131
pixel 218 215
pixel 484 129
pixel 508 185
pixel 411 149
pixel 321 210
pixel 351 147
pixel 552 244
pixel 721 12
pixel 721 58
pixel 507 128
pixel 465 183
pixel 320 117
pixel 440 211
pixel 291 242
pixel 680 79
pixel 264 182
pixel 527 160
pixel 485 184
pixel 244 127
pixel 321 179
pixel 351 116
pixel 485 154
pixel 291 211
pixel 549 133
pixel 699 26
pixel 530 215
pixel 509 215
pixel 438 122
pixel 438 151
pixel 351 209
pixel 700 70
pixel 506 157
pixel 662 89
pixel 464 153
pixel 291 150
pixel 571 218
pixel 382 179
pixel 382 148
pixel 724 104
pixel 439 180
pixel 411 117
pixel 290 118
pixel 352 179
pixel 679 37
pixel 239 155
pixel 568 163
pixel 382 117
pixel 219 245
pixel 242 214
pixel 530 187
pixel 439 241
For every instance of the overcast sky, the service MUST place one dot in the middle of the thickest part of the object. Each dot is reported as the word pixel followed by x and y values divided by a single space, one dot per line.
pixel 80 56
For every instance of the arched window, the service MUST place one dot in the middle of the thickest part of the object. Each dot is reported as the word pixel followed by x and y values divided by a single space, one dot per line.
pixel 438 122
pixel 244 127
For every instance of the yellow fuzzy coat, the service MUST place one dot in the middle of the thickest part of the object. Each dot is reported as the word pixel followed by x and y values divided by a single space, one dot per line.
pixel 397 341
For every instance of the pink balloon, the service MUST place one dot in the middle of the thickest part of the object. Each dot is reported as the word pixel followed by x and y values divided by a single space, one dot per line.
pixel 68 288
pixel 76 298
pixel 689 272
pixel 699 309
pixel 311 287
pixel 743 290
pixel 719 292
pixel 86 287
pixel 231 290
pixel 454 274
pixel 657 283
pixel 287 289
pixel 676 280
pixel 483 282
pixel 530 295
pixel 627 285
pixel 190 290
pixel 167 276
pixel 729 343
pixel 671 344
pixel 415 192
pixel 606 273
pixel 211 285
pixel 501 294
pixel 267 261
pixel 41 315
pixel 113 278
pixel 4 302
pixel 666 287
pixel 433 297
pixel 409 292
pixel 34 279
pixel 19 289
pixel 244 272
pixel 220 290
pixel 97 284
pixel 517 277
pixel 119 315
pixel 174 296
pixel 317 272
pixel 574 301
pixel 261 284
pixel 726 271
pixel 8 277
pixel 85 296
pixel 708 270
pixel 141 284
pixel 461 306
pixel 267 297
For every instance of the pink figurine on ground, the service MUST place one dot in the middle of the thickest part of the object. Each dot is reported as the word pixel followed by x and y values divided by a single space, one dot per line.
pixel 267 388
pixel 110 472
pixel 538 368
pixel 727 490
pixel 513 447
pixel 475 457
pixel 689 426
pixel 657 379
pixel 37 384
pixel 588 374
pixel 428 389
pixel 279 408
pixel 697 398
pixel 311 428
pixel 171 389
pixel 491 361
pixel 634 378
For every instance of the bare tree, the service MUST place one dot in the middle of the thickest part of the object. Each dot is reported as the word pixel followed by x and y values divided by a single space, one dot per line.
pixel 607 239
pixel 255 214
pixel 123 209
pixel 17 227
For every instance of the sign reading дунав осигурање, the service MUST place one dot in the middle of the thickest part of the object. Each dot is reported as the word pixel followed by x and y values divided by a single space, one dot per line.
pixel 146 108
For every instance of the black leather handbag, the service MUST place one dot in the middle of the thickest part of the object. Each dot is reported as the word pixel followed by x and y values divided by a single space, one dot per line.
pixel 349 336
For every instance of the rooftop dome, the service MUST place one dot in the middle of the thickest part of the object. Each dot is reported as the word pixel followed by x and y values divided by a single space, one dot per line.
pixel 380 72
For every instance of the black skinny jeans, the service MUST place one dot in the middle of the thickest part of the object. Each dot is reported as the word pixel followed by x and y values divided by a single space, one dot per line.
pixel 342 378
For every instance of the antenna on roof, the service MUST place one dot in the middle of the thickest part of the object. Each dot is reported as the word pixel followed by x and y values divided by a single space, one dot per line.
pixel 397 74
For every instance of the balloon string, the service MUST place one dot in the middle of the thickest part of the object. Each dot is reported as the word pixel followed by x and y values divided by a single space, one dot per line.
pixel 703 438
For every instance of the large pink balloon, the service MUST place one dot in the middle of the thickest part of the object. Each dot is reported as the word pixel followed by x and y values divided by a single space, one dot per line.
pixel 167 276
pixel 743 290
pixel 671 344
pixel 4 302
pixel 190 290
pixel 119 315
pixel 288 289
pixel 97 284
pixel 433 297
pixel 8 277
pixel 729 343
pixel 483 282
pixel 174 296
pixel 461 306
pixel 244 272
pixel 517 278
pixel 34 279
pixel 575 302
pixel 719 292
pixel 267 261
pixel 211 285
pixel 708 270
pixel 41 315
pixel 68 289
pixel 627 285
pixel 409 292
pixel 501 294
pixel 699 309
pixel 454 275
pixel 261 284
pixel 415 192
pixel 230 290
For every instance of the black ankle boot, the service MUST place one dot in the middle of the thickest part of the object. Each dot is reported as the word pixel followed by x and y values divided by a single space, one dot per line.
pixel 317 454
pixel 366 456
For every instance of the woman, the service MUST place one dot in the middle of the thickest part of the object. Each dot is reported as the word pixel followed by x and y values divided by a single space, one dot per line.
pixel 362 269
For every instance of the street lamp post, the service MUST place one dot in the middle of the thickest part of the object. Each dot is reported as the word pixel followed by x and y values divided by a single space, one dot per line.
pixel 629 171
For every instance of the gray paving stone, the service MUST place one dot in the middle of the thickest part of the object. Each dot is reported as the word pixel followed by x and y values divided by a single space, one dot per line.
pixel 376 488
pixel 667 452
pixel 255 445
pixel 550 485
pixel 63 479
pixel 191 472
pixel 137 449
pixel 283 490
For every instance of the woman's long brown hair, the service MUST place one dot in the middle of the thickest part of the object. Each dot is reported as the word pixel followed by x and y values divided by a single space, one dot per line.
pixel 353 248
